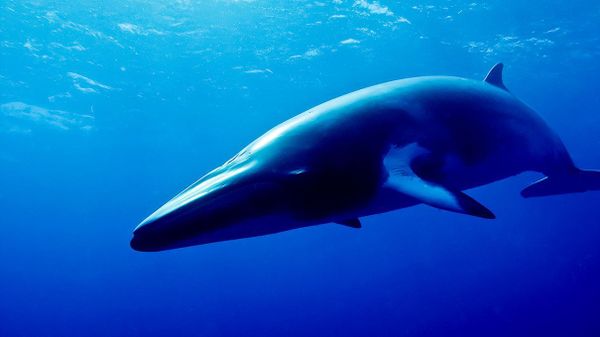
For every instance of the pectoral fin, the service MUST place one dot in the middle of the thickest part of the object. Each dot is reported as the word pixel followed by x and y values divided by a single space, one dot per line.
pixel 403 179
pixel 438 196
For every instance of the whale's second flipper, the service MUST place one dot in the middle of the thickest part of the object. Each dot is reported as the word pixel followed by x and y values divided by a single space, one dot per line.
pixel 573 182
pixel 352 223
pixel 403 179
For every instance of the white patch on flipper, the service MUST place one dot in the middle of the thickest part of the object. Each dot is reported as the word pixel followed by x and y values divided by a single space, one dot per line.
pixel 402 178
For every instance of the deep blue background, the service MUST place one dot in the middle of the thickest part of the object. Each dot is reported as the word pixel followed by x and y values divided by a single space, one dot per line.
pixel 109 108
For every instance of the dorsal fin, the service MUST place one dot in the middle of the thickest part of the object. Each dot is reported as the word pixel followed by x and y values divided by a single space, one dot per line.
pixel 494 76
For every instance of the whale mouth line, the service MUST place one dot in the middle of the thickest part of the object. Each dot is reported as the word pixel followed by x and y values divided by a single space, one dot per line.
pixel 167 235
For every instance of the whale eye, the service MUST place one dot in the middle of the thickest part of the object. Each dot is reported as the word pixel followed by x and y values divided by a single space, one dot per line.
pixel 297 171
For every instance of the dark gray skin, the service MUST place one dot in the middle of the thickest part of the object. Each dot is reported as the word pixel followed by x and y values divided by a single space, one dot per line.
pixel 390 146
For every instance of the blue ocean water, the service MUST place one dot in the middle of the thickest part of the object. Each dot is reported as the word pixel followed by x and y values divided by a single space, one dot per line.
pixel 109 108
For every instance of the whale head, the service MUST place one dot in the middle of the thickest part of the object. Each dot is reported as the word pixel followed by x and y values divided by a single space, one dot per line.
pixel 233 201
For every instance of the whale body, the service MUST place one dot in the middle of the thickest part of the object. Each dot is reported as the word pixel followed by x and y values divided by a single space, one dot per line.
pixel 419 140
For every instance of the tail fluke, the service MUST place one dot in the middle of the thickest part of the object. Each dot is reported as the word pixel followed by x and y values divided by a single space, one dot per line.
pixel 577 181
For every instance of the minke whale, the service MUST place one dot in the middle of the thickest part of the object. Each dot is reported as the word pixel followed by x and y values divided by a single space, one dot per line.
pixel 421 140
